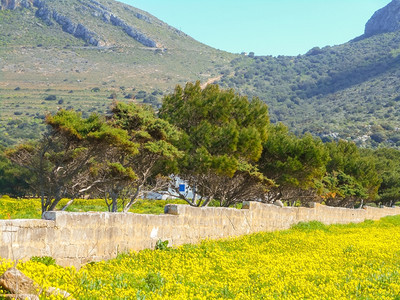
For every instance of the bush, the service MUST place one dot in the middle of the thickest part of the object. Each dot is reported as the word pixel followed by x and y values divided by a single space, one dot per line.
pixel 51 98
pixel 378 137
pixel 46 260
pixel 130 96
pixel 141 95
pixel 161 245
pixel 113 96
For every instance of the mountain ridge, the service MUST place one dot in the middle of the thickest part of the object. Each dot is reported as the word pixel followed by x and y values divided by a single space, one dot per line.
pixel 384 20
pixel 349 91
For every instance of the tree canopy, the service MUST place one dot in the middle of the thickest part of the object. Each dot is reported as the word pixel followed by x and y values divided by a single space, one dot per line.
pixel 148 168
pixel 222 137
pixel 63 160
pixel 297 165
pixel 217 142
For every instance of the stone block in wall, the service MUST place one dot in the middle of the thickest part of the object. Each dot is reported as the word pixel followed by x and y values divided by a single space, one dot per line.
pixel 87 220
pixel 100 234
pixel 246 205
pixel 171 209
pixel 168 220
pixel 305 214
pixel 21 252
pixel 5 251
pixel 180 209
pixel 112 233
pixel 65 236
pixel 252 205
pixel 83 235
pixel 60 218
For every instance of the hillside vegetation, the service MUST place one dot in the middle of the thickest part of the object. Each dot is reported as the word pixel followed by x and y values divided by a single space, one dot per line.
pixel 220 144
pixel 44 68
pixel 350 91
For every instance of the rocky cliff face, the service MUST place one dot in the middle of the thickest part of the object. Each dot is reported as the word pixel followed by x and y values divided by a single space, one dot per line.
pixel 13 4
pixel 53 17
pixel 47 14
pixel 132 32
pixel 384 20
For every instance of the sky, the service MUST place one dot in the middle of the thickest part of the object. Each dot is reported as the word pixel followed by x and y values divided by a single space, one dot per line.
pixel 266 27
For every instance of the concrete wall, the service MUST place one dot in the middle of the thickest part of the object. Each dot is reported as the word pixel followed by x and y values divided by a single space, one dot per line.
pixel 76 238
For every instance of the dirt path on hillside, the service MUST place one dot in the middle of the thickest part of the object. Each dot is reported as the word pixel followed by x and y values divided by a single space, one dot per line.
pixel 211 81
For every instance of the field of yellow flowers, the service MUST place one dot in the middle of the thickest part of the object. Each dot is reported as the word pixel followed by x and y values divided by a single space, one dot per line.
pixel 309 261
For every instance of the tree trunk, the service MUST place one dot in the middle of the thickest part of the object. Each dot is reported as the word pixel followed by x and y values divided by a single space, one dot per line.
pixel 133 200
pixel 68 204
pixel 114 203
pixel 205 203
pixel 54 204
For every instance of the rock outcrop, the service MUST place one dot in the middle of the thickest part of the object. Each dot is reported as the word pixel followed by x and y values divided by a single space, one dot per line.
pixel 16 282
pixel 47 14
pixel 132 32
pixel 22 287
pixel 138 15
pixel 13 4
pixel 386 19
pixel 43 11
pixel 50 16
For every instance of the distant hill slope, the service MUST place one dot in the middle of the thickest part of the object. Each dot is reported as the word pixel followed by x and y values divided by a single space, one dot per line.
pixel 350 91
pixel 86 53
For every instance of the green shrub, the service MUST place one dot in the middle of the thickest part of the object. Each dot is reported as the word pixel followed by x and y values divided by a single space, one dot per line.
pixel 46 260
pixel 51 98
pixel 161 245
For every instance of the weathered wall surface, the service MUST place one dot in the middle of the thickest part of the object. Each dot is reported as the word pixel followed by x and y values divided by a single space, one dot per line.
pixel 76 238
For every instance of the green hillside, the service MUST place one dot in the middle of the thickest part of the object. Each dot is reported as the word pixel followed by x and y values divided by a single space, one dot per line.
pixel 350 91
pixel 43 67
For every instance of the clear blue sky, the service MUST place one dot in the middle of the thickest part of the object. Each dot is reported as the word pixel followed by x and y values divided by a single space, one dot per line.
pixel 266 27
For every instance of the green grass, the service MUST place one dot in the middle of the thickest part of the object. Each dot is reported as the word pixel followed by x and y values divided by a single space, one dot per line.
pixel 31 208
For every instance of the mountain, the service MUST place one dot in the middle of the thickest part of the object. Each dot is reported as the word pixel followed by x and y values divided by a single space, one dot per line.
pixel 350 91
pixel 384 20
pixel 86 53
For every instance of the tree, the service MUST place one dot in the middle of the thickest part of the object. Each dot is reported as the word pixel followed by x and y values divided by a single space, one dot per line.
pixel 350 176
pixel 63 161
pixel 221 140
pixel 131 174
pixel 387 165
pixel 296 164
pixel 13 179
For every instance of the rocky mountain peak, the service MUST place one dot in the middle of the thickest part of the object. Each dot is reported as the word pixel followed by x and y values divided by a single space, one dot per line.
pixel 386 19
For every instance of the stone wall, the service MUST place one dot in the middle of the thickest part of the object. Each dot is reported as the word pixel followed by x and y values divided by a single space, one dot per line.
pixel 76 238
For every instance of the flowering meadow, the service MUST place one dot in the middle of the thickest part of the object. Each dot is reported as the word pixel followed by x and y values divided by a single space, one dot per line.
pixel 309 261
